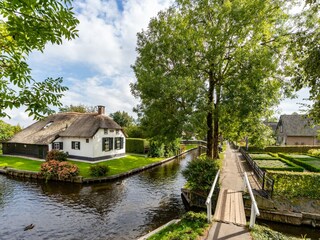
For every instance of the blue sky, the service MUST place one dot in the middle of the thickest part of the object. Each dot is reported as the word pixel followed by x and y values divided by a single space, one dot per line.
pixel 96 66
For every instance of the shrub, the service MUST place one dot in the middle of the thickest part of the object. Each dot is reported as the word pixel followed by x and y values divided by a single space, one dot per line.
pixel 59 170
pixel 99 170
pixel 200 173
pixel 314 152
pixel 156 149
pixel 57 155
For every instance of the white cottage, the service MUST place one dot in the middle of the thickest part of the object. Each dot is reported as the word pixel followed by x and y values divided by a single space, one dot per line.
pixel 86 136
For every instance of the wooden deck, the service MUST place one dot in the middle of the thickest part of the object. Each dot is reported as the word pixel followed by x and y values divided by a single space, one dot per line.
pixel 229 208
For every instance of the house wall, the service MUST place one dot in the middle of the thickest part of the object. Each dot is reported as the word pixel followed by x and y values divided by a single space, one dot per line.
pixel 300 140
pixel 93 149
pixel 97 141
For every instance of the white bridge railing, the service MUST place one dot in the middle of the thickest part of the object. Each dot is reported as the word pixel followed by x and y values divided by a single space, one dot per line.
pixel 254 207
pixel 208 201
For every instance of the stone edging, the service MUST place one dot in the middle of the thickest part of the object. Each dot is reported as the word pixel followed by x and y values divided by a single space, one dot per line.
pixel 174 221
pixel 79 179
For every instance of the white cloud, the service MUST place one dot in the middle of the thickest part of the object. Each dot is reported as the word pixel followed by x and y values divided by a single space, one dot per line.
pixel 105 47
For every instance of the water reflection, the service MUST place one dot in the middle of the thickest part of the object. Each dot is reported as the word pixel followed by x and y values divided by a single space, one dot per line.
pixel 121 210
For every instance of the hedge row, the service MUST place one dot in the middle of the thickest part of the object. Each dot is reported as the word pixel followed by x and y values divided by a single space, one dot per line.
pixel 292 185
pixel 284 149
pixel 136 145
pixel 300 163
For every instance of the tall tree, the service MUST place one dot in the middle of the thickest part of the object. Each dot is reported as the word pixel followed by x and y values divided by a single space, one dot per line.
pixel 122 118
pixel 26 26
pixel 201 60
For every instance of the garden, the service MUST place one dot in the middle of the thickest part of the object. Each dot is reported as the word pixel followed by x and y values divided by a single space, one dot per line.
pixel 293 171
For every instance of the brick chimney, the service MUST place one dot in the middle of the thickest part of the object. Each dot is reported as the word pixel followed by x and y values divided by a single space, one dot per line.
pixel 101 110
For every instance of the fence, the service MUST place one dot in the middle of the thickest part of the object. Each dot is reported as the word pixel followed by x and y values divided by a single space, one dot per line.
pixel 265 182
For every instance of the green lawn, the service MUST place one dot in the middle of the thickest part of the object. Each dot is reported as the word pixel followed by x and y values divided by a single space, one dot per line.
pixel 20 163
pixel 117 166
pixel 271 164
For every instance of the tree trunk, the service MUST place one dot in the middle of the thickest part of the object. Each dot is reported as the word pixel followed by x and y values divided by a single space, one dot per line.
pixel 216 124
pixel 210 117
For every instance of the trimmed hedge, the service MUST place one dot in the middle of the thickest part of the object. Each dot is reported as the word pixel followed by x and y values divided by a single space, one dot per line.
pixel 292 185
pixel 300 163
pixel 136 145
pixel 284 149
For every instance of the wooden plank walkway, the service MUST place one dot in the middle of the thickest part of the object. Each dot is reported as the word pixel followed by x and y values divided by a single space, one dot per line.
pixel 229 208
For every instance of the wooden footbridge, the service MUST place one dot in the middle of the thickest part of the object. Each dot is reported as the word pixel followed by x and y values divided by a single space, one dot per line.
pixel 230 208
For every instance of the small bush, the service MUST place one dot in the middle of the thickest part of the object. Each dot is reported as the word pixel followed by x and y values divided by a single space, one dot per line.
pixel 56 155
pixel 99 170
pixel 156 149
pixel 314 152
pixel 59 170
pixel 200 173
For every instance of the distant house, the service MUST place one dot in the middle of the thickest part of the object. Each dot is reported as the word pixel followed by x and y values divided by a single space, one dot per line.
pixel 86 136
pixel 272 125
pixel 296 129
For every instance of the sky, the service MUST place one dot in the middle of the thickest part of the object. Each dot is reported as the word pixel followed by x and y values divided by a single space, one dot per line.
pixel 96 66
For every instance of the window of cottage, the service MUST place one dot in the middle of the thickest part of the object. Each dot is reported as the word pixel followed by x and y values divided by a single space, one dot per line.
pixel 75 145
pixel 107 144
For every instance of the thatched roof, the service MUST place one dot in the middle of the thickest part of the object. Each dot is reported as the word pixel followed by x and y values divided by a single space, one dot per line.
pixel 69 124
pixel 298 125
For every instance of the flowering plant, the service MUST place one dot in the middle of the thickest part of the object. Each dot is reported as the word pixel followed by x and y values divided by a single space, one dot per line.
pixel 60 170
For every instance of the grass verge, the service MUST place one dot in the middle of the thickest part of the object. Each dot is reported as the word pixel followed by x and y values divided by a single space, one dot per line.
pixel 191 226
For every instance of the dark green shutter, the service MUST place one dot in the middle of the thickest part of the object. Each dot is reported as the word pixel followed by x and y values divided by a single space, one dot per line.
pixel 61 145
pixel 110 144
pixel 121 143
pixel 79 145
pixel 73 145
pixel 103 144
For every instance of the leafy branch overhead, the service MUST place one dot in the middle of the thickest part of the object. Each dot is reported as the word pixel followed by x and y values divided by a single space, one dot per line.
pixel 26 26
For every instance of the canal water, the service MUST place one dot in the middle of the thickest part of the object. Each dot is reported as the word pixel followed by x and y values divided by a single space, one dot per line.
pixel 126 209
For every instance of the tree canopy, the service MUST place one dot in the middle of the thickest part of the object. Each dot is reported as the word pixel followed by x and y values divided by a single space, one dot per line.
pixel 26 26
pixel 122 118
pixel 213 64
pixel 78 108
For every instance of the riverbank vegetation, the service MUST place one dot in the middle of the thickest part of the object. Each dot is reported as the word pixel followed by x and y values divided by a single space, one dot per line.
pixel 191 226
pixel 260 232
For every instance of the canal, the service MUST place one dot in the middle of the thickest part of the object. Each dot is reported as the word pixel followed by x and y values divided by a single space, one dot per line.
pixel 126 209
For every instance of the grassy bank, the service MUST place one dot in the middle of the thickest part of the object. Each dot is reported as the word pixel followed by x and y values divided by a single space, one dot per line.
pixel 116 166
pixel 260 232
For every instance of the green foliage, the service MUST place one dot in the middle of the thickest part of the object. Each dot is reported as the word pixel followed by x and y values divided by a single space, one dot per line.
pixel 136 145
pixel 54 169
pixel 200 173
pixel 7 131
pixel 159 149
pixel 78 108
pixel 301 162
pixel 99 170
pixel 56 155
pixel 122 118
pixel 26 26
pixel 292 184
pixel 191 226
